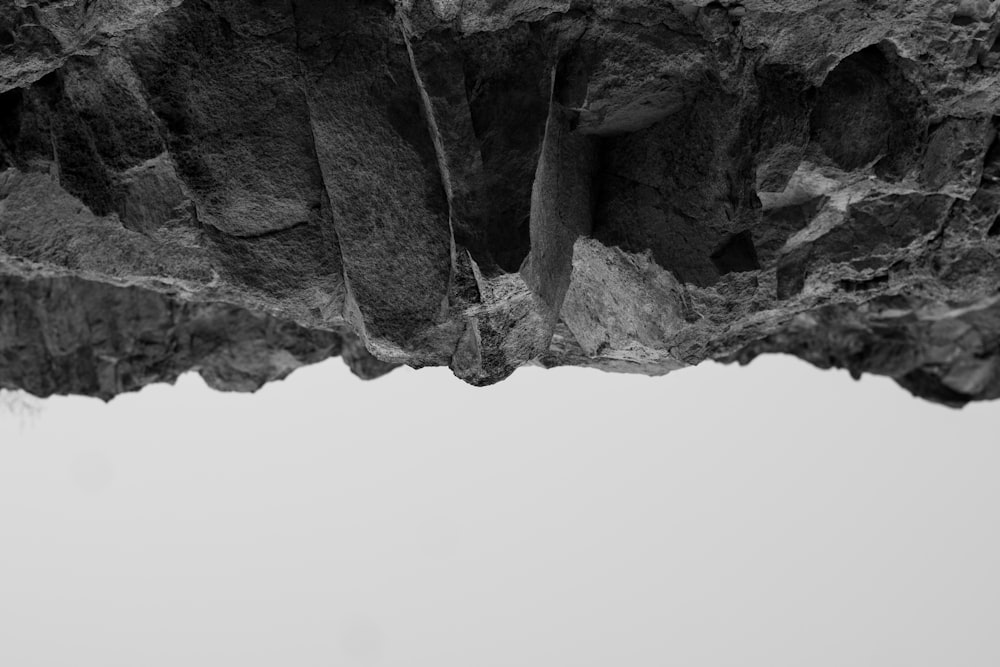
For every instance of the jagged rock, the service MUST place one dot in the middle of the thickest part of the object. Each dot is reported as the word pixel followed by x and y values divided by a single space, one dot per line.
pixel 243 186
pixel 69 335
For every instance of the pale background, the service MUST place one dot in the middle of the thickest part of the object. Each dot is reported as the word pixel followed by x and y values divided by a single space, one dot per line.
pixel 773 515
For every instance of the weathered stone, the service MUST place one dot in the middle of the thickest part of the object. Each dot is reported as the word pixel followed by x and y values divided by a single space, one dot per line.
pixel 239 187
pixel 68 335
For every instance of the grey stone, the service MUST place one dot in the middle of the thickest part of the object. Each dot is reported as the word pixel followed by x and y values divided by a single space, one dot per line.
pixel 241 187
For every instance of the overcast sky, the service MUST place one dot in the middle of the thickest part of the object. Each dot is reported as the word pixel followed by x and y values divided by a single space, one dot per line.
pixel 773 515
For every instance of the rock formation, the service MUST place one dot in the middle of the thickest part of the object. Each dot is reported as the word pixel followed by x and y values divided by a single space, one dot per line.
pixel 240 187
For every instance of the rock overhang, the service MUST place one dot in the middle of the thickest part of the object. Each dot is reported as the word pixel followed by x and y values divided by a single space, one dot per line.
pixel 630 186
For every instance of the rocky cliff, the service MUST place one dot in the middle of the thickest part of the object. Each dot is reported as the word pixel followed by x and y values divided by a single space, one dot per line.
pixel 240 187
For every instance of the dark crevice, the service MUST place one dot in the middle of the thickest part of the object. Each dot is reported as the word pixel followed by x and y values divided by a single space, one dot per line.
pixel 572 76
pixel 991 161
pixel 736 255
pixel 10 124
pixel 994 229
pixel 507 81
pixel 294 7
pixel 681 189
pixel 863 285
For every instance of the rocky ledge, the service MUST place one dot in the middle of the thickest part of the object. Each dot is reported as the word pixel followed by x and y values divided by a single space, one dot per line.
pixel 240 187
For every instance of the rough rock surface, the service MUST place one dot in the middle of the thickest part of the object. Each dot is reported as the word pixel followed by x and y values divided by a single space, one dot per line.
pixel 244 186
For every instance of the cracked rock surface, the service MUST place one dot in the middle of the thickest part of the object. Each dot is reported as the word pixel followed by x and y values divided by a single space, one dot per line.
pixel 241 187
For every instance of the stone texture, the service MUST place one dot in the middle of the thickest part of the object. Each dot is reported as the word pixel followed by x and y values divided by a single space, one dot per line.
pixel 69 335
pixel 240 187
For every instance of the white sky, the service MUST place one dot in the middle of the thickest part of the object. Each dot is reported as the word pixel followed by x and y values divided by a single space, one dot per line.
pixel 773 515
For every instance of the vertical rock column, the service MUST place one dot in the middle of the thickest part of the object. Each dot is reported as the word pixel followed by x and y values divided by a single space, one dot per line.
pixel 381 176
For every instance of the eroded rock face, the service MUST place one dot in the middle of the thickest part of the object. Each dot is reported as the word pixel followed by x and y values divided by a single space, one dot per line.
pixel 68 335
pixel 244 186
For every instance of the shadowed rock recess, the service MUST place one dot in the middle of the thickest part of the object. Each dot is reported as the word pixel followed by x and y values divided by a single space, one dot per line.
pixel 241 187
